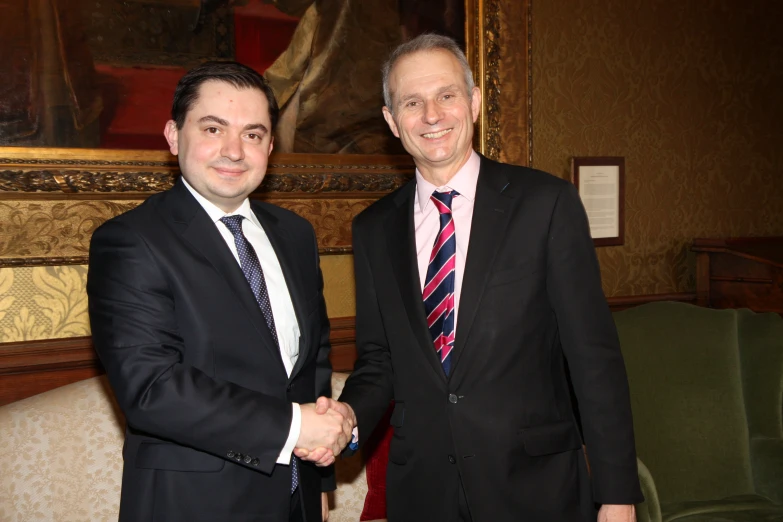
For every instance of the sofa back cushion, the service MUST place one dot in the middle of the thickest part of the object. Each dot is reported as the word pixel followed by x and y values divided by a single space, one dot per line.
pixel 61 455
pixel 684 373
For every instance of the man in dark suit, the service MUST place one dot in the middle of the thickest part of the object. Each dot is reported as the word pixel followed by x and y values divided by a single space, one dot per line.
pixel 208 314
pixel 478 293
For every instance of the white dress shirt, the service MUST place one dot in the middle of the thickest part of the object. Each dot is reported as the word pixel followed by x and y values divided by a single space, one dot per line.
pixel 286 324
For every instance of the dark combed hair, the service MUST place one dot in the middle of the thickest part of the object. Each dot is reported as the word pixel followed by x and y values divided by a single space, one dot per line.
pixel 234 73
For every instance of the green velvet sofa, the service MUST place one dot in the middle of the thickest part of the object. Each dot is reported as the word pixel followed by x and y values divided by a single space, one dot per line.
pixel 707 398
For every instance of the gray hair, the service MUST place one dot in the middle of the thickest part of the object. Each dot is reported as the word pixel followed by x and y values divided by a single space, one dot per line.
pixel 425 42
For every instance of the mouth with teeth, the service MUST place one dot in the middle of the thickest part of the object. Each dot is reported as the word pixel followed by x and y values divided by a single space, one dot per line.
pixel 435 135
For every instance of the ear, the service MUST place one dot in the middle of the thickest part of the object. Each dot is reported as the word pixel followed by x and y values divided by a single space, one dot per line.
pixel 271 145
pixel 475 103
pixel 387 115
pixel 171 132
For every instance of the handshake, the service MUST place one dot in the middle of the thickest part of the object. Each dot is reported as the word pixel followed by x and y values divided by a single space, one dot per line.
pixel 327 426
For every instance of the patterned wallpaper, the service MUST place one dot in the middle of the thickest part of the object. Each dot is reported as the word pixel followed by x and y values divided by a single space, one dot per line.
pixel 690 94
pixel 43 303
pixel 50 302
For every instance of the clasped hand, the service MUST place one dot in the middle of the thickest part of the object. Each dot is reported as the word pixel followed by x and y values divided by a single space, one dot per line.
pixel 326 429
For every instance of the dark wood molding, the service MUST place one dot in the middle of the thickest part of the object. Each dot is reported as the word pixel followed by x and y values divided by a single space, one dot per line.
pixel 343 339
pixel 31 367
pixel 766 250
pixel 740 272
pixel 47 355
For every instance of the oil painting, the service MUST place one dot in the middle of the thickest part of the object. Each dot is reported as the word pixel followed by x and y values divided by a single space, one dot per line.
pixel 101 73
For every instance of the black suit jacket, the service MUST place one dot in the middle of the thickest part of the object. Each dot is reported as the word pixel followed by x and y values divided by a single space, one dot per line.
pixel 504 421
pixel 194 367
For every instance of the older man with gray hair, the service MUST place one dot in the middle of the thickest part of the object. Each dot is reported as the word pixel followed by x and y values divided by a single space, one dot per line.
pixel 480 313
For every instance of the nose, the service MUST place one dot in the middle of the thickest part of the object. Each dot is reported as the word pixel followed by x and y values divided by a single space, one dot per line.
pixel 432 112
pixel 232 148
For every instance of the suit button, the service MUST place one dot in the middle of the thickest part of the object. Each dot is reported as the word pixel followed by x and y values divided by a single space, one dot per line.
pixel 254 462
pixel 238 457
pixel 230 454
pixel 247 459
pixel 453 398
pixel 452 459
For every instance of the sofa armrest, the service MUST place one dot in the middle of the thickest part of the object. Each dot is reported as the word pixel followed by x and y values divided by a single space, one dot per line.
pixel 767 461
pixel 650 509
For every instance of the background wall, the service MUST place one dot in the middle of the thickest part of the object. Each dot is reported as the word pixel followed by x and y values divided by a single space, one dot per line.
pixel 690 94
pixel 338 285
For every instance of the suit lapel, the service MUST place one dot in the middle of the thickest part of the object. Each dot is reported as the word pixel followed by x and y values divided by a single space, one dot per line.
pixel 401 244
pixel 491 214
pixel 197 228
pixel 281 243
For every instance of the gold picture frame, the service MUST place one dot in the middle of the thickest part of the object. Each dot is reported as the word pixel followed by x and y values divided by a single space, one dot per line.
pixel 51 199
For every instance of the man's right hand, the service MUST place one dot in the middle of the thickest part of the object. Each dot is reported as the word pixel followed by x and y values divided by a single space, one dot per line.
pixel 328 429
pixel 323 455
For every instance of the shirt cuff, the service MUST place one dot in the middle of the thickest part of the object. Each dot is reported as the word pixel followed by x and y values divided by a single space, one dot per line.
pixel 293 436
pixel 354 444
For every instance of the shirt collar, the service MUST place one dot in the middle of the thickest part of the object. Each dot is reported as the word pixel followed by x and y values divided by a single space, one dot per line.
pixel 464 182
pixel 216 213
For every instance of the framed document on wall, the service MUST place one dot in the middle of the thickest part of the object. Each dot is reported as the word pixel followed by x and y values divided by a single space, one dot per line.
pixel 601 185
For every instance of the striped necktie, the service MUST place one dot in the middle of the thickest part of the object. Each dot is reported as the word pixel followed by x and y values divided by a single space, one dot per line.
pixel 438 292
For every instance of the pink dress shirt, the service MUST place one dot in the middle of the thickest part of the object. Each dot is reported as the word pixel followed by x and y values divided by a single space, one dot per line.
pixel 426 220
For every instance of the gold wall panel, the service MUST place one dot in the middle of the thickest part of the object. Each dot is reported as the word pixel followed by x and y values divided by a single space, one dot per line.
pixel 57 233
pixel 57 230
pixel 50 302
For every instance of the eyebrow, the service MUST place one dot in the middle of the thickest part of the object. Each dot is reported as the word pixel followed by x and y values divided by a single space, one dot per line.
pixel 221 121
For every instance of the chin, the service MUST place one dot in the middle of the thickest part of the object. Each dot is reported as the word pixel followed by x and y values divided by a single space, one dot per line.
pixel 440 157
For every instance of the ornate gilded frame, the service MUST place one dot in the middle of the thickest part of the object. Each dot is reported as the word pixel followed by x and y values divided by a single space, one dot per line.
pixel 52 199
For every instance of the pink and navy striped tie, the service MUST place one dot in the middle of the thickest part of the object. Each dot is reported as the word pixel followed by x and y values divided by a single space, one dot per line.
pixel 439 284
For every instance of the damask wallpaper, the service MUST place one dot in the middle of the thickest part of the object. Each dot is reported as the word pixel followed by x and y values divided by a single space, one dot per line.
pixel 50 302
pixel 43 303
pixel 689 93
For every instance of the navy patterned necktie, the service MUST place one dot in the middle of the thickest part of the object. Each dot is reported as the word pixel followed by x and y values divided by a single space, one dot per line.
pixel 438 291
pixel 254 274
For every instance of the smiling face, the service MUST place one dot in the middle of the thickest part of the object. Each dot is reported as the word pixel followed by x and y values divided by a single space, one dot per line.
pixel 224 144
pixel 432 112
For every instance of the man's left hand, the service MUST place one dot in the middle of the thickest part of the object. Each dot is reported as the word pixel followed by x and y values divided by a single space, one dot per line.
pixel 617 513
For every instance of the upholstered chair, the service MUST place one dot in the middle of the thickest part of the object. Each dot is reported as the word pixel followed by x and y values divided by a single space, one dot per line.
pixel 707 398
